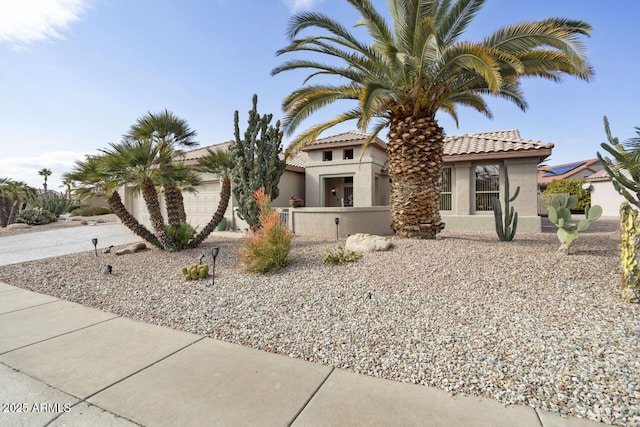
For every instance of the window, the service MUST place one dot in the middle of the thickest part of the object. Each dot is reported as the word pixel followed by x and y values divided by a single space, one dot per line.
pixel 327 156
pixel 348 154
pixel 445 190
pixel 487 186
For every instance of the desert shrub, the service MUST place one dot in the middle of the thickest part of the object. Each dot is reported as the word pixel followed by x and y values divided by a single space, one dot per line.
pixel 181 235
pixel 573 187
pixel 36 216
pixel 268 248
pixel 91 211
pixel 52 202
pixel 339 257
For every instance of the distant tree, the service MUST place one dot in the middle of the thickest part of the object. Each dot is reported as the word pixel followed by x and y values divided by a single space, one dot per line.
pixel 624 168
pixel 257 162
pixel 45 173
pixel 13 194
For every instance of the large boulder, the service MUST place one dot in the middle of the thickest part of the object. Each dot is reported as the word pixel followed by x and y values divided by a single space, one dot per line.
pixel 362 242
pixel 136 247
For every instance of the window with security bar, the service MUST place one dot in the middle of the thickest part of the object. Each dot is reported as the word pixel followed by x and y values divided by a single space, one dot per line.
pixel 446 195
pixel 487 186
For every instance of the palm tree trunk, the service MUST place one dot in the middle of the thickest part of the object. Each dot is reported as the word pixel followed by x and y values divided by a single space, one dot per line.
pixel 415 165
pixel 150 196
pixel 129 221
pixel 13 211
pixel 175 205
pixel 4 211
pixel 225 195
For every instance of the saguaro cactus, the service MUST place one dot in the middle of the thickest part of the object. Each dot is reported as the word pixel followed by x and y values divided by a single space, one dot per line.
pixel 629 246
pixel 560 215
pixel 506 228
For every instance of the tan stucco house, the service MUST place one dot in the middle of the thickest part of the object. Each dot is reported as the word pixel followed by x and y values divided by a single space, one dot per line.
pixel 338 180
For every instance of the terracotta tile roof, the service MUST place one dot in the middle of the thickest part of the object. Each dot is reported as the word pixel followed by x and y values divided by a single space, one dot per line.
pixel 601 175
pixel 345 139
pixel 578 169
pixel 493 143
pixel 299 160
pixel 195 154
pixel 296 162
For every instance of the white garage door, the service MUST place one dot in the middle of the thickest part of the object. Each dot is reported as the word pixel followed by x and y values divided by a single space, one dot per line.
pixel 201 206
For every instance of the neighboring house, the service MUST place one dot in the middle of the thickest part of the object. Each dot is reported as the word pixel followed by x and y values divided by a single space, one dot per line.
pixel 603 193
pixel 575 170
pixel 341 181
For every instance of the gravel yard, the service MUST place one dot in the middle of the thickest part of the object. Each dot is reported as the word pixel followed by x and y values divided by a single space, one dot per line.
pixel 514 321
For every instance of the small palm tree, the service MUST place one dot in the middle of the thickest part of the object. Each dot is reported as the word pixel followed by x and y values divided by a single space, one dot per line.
pixel 414 69
pixel 171 134
pixel 45 173
pixel 93 181
pixel 13 195
pixel 140 165
pixel 219 163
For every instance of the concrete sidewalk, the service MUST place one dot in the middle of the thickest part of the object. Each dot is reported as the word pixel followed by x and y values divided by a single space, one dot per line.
pixel 63 364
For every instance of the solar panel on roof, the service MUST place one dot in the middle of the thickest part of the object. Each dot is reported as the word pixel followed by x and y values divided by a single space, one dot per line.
pixel 561 170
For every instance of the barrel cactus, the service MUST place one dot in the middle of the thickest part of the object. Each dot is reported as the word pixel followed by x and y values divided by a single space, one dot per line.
pixel 560 215
pixel 195 271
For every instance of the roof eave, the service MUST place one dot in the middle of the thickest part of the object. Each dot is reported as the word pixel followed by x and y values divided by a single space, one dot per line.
pixel 540 153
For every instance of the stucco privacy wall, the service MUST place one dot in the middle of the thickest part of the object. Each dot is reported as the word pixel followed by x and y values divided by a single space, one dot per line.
pixel 320 222
pixel 604 194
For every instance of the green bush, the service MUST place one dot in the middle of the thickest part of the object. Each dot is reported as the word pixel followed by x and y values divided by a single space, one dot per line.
pixel 91 211
pixel 52 202
pixel 574 188
pixel 36 216
pixel 182 235
pixel 340 256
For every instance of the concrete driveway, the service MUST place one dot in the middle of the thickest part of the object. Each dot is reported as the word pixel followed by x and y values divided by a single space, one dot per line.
pixel 53 243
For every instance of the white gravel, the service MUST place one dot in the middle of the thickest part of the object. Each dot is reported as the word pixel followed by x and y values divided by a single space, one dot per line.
pixel 514 321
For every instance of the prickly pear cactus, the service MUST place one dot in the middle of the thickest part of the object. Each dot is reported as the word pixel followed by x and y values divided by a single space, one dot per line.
pixel 560 215
pixel 629 246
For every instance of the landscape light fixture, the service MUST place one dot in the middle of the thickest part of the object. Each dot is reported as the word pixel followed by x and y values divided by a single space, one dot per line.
pixel 95 245
pixel 337 226
pixel 214 254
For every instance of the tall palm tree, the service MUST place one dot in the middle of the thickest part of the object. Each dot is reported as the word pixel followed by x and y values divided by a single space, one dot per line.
pixel 12 195
pixel 413 70
pixel 95 181
pixel 219 163
pixel 171 134
pixel 45 173
pixel 139 164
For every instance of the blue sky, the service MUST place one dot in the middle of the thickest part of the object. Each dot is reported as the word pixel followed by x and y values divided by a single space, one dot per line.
pixel 75 74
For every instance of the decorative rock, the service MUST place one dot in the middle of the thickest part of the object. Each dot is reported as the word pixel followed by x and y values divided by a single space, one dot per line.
pixel 18 226
pixel 136 247
pixel 362 242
